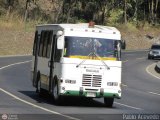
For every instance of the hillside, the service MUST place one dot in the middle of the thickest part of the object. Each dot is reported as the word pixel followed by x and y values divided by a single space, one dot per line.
pixel 138 39
pixel 18 41
pixel 18 19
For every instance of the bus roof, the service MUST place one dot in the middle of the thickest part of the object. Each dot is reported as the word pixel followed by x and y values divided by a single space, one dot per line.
pixel 82 26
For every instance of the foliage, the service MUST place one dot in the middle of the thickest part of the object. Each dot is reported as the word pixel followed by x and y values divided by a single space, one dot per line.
pixel 72 11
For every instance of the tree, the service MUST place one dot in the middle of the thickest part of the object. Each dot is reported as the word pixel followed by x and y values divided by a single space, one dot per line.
pixel 10 6
pixel 125 11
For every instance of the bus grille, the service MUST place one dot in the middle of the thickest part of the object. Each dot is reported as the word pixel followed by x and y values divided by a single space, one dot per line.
pixel 91 80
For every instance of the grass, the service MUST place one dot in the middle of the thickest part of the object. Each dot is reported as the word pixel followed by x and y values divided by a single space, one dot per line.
pixel 16 37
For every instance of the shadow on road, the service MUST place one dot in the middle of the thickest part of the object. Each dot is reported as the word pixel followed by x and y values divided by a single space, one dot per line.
pixel 66 101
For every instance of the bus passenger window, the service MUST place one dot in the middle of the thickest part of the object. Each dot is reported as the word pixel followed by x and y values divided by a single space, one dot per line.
pixel 49 44
pixel 35 43
pixel 41 44
pixel 45 40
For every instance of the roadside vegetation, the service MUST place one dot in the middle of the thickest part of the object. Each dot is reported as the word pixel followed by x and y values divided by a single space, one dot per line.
pixel 138 20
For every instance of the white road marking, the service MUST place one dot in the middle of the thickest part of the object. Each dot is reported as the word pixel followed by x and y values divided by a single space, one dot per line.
pixel 154 93
pixel 140 58
pixel 128 106
pixel 124 85
pixel 15 64
pixel 34 105
pixel 125 61
pixel 131 54
pixel 3 56
pixel 147 69
pixel 29 103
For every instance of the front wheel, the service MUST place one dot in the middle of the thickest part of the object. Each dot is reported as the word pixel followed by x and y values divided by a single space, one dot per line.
pixel 149 57
pixel 55 93
pixel 108 102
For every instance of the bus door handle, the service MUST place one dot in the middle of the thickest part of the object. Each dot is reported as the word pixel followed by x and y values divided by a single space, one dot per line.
pixel 49 63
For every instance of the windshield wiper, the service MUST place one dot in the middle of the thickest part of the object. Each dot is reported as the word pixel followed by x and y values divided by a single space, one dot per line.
pixel 101 61
pixel 84 60
pixel 93 54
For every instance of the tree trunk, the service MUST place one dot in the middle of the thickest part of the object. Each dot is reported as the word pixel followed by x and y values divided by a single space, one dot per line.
pixel 156 11
pixel 136 12
pixel 59 11
pixel 10 5
pixel 72 5
pixel 152 12
pixel 9 11
pixel 125 12
pixel 26 11
pixel 104 12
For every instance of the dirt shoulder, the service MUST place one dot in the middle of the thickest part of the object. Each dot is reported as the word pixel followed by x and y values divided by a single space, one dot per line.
pixel 14 42
pixel 140 38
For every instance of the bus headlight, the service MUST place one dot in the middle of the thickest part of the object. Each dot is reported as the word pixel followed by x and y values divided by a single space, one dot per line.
pixel 112 83
pixel 70 81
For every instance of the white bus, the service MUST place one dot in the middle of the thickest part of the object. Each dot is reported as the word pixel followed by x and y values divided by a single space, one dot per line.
pixel 77 60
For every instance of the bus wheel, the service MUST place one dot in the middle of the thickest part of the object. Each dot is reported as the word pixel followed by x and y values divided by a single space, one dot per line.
pixel 56 96
pixel 38 83
pixel 108 102
pixel 38 88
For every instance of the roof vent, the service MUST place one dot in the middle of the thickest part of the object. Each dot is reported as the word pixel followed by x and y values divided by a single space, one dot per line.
pixel 91 24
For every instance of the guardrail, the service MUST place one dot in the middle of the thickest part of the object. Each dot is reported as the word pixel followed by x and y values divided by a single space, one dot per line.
pixel 157 67
pixel 142 50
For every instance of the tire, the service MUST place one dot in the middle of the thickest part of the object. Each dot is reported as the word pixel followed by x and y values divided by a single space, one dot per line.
pixel 39 90
pixel 38 84
pixel 55 93
pixel 149 57
pixel 108 102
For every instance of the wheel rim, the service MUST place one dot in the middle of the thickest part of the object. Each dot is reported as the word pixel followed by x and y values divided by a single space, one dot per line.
pixel 55 92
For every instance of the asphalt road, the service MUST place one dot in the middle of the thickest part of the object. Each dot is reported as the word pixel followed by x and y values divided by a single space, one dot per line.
pixel 140 94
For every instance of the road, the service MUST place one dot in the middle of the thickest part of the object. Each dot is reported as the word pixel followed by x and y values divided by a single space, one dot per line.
pixel 140 93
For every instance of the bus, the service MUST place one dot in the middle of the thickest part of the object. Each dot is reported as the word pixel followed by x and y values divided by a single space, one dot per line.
pixel 77 60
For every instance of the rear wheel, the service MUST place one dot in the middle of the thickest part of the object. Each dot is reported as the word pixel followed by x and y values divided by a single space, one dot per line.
pixel 108 102
pixel 39 90
pixel 38 84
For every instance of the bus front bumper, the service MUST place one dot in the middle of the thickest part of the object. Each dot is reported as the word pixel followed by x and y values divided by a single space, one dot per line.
pixel 101 92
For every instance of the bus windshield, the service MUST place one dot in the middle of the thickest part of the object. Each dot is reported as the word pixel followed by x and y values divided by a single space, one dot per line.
pixel 84 46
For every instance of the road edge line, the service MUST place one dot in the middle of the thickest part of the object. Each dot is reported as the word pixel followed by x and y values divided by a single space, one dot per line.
pixel 37 106
pixel 29 103
pixel 3 56
pixel 14 64
pixel 154 93
pixel 147 70
pixel 128 106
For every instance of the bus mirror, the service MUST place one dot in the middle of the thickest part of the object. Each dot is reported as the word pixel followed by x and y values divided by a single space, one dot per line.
pixel 59 33
pixel 60 42
pixel 123 44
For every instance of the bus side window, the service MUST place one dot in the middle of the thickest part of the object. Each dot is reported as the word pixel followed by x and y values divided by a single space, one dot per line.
pixel 45 39
pixel 49 43
pixel 35 43
pixel 41 44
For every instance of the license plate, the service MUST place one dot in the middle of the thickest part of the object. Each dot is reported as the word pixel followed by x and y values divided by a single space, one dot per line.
pixel 91 94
